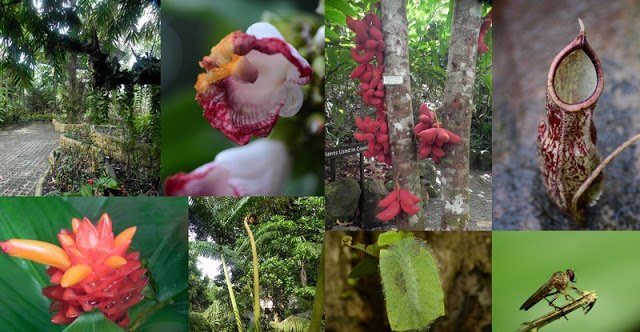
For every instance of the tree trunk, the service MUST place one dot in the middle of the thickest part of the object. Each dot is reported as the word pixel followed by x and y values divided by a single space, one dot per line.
pixel 256 277
pixel 457 109
pixel 318 299
pixel 349 307
pixel 232 297
pixel 399 109
pixel 71 105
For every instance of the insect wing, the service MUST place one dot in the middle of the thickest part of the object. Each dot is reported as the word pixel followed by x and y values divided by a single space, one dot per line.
pixel 537 296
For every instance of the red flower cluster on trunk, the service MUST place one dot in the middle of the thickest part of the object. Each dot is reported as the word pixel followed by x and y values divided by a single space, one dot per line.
pixel 486 24
pixel 369 54
pixel 376 134
pixel 396 201
pixel 432 136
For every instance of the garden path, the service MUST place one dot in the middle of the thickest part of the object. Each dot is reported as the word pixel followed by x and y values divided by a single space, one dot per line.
pixel 23 157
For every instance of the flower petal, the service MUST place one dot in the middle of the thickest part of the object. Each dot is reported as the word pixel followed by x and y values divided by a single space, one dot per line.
pixel 206 180
pixel 257 169
pixel 75 274
pixel 37 251
pixel 86 235
pixel 293 102
pixel 248 84
pixel 104 228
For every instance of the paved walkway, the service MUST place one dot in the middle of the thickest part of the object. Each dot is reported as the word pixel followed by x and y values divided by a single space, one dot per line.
pixel 23 157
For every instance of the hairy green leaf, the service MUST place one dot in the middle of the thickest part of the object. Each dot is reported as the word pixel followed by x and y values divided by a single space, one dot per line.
pixel 389 238
pixel 411 285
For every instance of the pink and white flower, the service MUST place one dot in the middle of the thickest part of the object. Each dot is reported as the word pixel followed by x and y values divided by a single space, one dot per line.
pixel 257 169
pixel 251 79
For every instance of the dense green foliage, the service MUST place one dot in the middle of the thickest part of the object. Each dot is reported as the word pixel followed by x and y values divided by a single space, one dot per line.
pixel 288 234
pixel 45 63
pixel 429 34
pixel 93 62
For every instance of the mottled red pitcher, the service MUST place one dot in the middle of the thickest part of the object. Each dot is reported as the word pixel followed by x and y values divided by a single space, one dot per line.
pixel 567 136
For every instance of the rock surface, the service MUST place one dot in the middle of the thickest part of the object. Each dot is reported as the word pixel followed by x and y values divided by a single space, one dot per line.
pixel 342 198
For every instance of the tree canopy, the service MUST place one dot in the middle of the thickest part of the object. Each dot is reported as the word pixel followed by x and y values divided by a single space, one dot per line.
pixel 108 33
pixel 288 235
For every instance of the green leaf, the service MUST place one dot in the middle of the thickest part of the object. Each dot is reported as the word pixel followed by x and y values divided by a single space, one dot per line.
pixel 170 317
pixel 93 321
pixel 331 35
pixel 367 266
pixel 86 190
pixel 342 6
pixel 335 16
pixel 411 285
pixel 169 263
pixel 389 238
pixel 22 304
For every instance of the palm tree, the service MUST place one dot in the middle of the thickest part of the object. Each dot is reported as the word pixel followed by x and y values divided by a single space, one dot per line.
pixel 219 252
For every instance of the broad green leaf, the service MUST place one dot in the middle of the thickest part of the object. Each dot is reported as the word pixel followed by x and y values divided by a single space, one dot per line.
pixel 366 266
pixel 93 321
pixel 342 6
pixel 411 285
pixel 373 250
pixel 169 263
pixel 389 238
pixel 334 16
pixel 169 318
pixel 22 305
pixel 331 35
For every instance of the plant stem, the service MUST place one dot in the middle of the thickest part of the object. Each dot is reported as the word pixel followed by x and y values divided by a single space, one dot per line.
pixel 596 172
pixel 318 300
pixel 227 279
pixel 586 301
pixel 147 312
pixel 256 278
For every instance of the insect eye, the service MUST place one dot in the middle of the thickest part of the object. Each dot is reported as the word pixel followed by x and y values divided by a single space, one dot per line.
pixel 572 275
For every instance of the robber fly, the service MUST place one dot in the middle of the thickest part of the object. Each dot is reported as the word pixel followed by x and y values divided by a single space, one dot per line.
pixel 558 281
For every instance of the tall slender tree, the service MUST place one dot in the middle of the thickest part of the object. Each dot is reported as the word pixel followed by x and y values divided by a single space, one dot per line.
pixel 457 110
pixel 399 104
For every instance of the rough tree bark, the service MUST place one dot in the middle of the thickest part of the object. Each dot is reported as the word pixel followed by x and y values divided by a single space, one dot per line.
pixel 71 106
pixel 457 109
pixel 399 110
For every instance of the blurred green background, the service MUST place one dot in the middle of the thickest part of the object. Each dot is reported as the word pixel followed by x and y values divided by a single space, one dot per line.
pixel 604 262
pixel 189 29
pixel 161 239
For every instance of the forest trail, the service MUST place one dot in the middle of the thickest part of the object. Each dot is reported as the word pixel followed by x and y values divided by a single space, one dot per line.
pixel 23 151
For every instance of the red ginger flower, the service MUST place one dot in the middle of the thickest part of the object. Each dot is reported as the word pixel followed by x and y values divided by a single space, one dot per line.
pixel 91 271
